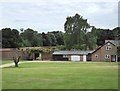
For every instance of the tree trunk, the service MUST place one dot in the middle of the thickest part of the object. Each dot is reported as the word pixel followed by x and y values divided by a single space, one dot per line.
pixel 16 60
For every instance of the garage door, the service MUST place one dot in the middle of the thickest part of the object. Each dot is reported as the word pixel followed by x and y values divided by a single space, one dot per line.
pixel 75 58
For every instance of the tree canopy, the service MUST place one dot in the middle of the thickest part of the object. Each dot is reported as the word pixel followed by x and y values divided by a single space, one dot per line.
pixel 12 38
pixel 78 35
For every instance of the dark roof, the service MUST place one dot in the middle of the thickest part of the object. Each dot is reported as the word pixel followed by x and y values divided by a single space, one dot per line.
pixel 115 42
pixel 103 45
pixel 72 52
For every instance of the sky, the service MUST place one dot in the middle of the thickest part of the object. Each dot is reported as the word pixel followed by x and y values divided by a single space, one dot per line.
pixel 50 15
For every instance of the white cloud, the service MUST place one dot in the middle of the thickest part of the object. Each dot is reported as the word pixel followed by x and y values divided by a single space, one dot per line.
pixel 45 15
pixel 64 1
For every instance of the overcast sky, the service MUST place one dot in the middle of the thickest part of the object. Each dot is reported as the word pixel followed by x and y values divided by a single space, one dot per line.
pixel 49 15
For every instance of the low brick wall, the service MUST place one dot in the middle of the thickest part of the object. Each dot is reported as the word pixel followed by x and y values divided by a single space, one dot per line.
pixel 8 54
pixel 46 56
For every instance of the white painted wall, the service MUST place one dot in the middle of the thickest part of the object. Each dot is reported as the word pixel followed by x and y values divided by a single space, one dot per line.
pixel 84 58
pixel 75 58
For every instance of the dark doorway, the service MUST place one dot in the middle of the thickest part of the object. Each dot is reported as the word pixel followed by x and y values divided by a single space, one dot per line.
pixel 113 58
pixel 59 58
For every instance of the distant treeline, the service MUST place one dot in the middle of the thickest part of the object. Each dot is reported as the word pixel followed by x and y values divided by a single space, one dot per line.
pixel 78 35
pixel 12 38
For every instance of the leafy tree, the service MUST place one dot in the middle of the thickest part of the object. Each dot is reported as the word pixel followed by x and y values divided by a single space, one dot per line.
pixel 106 34
pixel 39 39
pixel 75 32
pixel 46 39
pixel 31 38
pixel 59 37
pixel 52 39
pixel 116 33
pixel 91 41
pixel 10 38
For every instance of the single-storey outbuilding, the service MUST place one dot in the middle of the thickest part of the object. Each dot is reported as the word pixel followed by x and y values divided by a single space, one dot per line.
pixel 72 55
pixel 104 53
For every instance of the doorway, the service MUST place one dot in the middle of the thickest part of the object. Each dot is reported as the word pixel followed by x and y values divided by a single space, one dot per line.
pixel 113 58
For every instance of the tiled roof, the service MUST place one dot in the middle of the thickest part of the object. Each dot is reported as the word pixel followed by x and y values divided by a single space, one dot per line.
pixel 72 52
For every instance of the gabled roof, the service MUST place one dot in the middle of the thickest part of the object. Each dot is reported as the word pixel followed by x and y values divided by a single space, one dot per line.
pixel 103 45
pixel 115 42
pixel 72 52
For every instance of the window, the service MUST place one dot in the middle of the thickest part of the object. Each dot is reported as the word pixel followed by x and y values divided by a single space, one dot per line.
pixel 108 47
pixel 96 55
pixel 108 44
pixel 64 56
pixel 107 56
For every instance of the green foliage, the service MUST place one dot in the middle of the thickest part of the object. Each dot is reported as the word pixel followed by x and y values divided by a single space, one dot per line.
pixel 10 38
pixel 76 32
pixel 91 40
pixel 59 37
pixel 76 36
pixel 52 39
pixel 45 49
pixel 118 51
pixel 106 34
pixel 31 38
pixel 117 32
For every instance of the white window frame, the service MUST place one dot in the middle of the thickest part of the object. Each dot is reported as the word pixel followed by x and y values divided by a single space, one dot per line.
pixel 107 56
pixel 108 47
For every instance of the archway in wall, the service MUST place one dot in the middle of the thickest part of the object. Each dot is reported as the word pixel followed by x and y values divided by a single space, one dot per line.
pixel 36 55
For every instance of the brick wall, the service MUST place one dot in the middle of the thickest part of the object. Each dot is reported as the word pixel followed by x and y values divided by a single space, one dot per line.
pixel 102 52
pixel 9 53
pixel 46 56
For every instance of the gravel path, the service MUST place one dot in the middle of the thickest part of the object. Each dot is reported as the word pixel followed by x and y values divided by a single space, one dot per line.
pixel 12 64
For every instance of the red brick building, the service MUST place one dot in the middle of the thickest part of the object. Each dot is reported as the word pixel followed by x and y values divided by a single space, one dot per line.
pixel 107 52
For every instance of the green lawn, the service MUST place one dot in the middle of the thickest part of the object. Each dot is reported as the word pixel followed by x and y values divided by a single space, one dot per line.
pixel 6 61
pixel 10 61
pixel 67 75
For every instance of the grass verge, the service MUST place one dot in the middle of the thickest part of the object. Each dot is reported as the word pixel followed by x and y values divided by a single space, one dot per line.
pixel 65 75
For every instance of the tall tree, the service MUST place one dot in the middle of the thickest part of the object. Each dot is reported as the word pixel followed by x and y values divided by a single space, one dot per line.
pixel 75 32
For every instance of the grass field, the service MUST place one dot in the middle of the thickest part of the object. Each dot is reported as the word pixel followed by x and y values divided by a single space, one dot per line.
pixel 10 61
pixel 7 61
pixel 62 75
